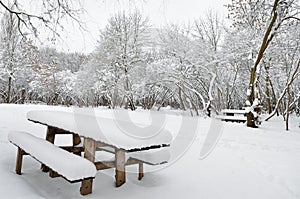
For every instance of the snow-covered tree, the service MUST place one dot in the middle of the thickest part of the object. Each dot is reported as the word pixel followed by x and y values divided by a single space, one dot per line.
pixel 10 40
pixel 16 54
pixel 280 13
pixel 120 50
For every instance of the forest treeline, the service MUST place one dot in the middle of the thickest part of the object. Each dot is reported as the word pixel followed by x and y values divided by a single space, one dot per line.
pixel 202 66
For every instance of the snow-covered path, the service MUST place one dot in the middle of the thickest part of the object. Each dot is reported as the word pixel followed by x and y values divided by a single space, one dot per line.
pixel 246 163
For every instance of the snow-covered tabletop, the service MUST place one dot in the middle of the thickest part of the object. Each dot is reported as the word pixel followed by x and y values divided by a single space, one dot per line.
pixel 119 133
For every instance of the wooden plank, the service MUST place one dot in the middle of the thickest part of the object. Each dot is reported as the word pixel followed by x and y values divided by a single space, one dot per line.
pixel 19 161
pixel 131 161
pixel 232 118
pixel 105 165
pixel 76 139
pixel 111 164
pixel 120 167
pixel 75 150
pixel 89 153
pixel 102 144
pixel 53 174
pixel 141 170
pixel 50 135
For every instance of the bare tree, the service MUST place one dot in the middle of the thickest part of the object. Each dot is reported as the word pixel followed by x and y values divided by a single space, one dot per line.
pixel 47 13
pixel 10 41
pixel 208 30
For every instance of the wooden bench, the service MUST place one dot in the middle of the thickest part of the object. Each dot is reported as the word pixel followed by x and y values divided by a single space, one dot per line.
pixel 72 167
pixel 233 115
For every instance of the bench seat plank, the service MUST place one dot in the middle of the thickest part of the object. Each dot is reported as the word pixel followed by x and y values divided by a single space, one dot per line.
pixel 70 166
pixel 151 157
pixel 233 118
pixel 234 111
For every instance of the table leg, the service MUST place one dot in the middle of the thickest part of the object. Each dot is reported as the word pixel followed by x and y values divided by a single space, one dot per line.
pixel 120 167
pixel 50 136
pixel 89 153
pixel 141 170
pixel 76 141
pixel 19 161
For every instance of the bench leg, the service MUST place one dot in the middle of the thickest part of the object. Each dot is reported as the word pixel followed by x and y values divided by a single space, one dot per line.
pixel 89 153
pixel 141 170
pixel 120 167
pixel 19 161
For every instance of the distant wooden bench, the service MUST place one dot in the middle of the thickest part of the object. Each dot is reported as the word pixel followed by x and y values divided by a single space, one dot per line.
pixel 233 115
pixel 72 167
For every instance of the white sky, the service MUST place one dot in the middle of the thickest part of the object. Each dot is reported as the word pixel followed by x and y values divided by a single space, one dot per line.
pixel 159 12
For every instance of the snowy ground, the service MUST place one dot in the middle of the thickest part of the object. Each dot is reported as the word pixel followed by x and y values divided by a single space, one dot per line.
pixel 246 163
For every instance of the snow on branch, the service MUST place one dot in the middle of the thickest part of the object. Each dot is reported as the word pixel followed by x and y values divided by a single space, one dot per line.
pixel 52 12
pixel 294 76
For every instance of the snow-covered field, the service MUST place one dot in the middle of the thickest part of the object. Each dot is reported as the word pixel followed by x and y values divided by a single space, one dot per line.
pixel 246 163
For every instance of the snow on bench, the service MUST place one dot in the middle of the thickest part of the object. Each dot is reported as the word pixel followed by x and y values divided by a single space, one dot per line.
pixel 151 157
pixel 233 111
pixel 232 115
pixel 72 167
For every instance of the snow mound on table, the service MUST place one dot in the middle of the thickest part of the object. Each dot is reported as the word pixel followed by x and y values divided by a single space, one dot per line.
pixel 122 134
pixel 70 166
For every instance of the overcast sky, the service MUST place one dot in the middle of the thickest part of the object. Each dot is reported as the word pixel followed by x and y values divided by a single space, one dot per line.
pixel 159 12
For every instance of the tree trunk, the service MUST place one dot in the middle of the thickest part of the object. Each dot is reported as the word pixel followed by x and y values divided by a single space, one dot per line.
pixel 55 99
pixel 9 89
pixel 251 120
pixel 274 99
pixel 129 98
pixel 266 40
pixel 22 101
pixel 182 106
pixel 268 84
pixel 268 94
pixel 287 109
pixel 115 96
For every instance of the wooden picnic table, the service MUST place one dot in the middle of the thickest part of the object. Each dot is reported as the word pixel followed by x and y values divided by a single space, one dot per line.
pixel 98 132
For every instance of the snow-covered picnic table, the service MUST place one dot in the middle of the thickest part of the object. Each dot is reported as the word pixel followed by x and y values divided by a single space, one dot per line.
pixel 129 144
